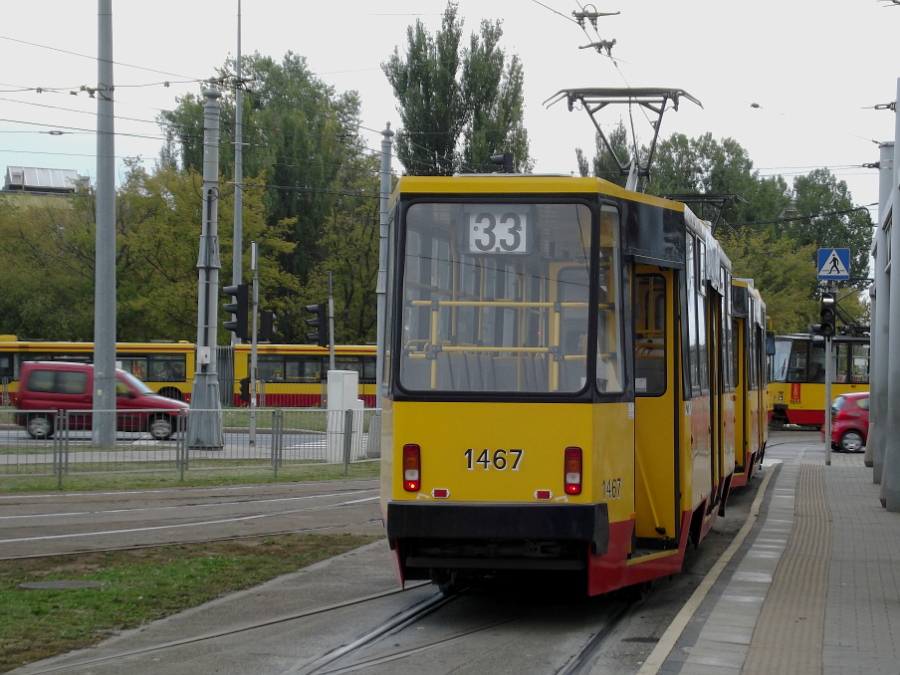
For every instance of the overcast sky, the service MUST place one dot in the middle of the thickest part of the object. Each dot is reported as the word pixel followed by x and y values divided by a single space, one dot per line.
pixel 795 82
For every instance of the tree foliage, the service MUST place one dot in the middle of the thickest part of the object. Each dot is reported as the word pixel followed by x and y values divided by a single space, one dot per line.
pixel 298 134
pixel 457 106
pixel 47 249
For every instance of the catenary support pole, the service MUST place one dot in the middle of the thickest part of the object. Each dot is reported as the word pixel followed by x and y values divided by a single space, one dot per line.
pixel 237 249
pixel 204 429
pixel 104 394
pixel 891 473
pixel 878 330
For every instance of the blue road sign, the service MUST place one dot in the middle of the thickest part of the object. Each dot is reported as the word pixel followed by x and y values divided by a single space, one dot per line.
pixel 833 263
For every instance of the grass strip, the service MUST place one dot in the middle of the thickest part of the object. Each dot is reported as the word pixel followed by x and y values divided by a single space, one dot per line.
pixel 138 587
pixel 195 477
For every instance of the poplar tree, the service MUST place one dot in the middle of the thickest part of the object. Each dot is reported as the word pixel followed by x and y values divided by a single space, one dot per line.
pixel 458 105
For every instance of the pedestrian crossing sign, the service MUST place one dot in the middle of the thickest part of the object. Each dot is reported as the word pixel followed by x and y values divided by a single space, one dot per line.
pixel 834 263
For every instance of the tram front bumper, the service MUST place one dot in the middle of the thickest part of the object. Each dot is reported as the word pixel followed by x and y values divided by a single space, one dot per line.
pixel 504 535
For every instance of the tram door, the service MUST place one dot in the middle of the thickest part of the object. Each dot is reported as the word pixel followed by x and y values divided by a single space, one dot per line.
pixel 721 410
pixel 656 402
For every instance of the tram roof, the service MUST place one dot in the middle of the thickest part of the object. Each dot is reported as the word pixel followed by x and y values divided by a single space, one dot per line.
pixel 525 183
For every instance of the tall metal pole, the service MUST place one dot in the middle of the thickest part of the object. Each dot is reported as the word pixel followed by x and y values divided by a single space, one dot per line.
pixel 891 474
pixel 238 245
pixel 205 421
pixel 104 394
pixel 829 376
pixel 254 313
pixel 381 285
pixel 881 302
pixel 331 365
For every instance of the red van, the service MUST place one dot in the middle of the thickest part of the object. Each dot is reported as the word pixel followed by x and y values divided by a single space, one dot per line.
pixel 48 386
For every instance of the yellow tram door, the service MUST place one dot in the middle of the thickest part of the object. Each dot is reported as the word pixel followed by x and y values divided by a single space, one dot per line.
pixel 657 465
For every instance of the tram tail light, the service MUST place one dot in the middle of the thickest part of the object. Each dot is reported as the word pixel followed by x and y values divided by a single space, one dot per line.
pixel 573 471
pixel 412 467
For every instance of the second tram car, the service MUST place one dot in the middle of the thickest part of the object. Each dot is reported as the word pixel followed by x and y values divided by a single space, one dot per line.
pixel 797 375
pixel 573 380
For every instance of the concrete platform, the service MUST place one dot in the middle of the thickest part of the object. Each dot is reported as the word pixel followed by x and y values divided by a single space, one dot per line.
pixel 814 587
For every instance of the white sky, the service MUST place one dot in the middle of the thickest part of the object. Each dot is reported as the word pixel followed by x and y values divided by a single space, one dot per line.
pixel 815 68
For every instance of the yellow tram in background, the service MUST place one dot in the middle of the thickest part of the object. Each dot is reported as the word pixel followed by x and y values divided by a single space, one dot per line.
pixel 573 381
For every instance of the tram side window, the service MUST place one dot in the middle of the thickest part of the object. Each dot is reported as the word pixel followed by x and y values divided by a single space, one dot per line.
pixel 693 359
pixel 842 365
pixel 166 369
pixel 364 366
pixel 860 363
pixel 136 365
pixel 702 317
pixel 753 354
pixel 797 363
pixel 270 368
pixel 650 337
pixel 816 371
pixel 6 366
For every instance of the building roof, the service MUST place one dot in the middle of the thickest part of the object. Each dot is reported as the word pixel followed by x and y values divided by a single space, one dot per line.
pixel 35 179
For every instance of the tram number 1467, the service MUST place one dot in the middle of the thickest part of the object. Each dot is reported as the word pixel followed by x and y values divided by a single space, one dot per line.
pixel 498 459
pixel 611 489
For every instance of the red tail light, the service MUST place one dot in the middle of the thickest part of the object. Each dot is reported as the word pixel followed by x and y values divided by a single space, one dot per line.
pixel 572 475
pixel 412 467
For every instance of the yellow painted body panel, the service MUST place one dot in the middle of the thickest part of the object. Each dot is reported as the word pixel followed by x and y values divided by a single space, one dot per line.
pixel 445 431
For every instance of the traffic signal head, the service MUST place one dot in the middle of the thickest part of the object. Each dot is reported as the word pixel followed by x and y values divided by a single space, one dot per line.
pixel 245 389
pixel 827 314
pixel 240 308
pixel 507 160
pixel 267 325
pixel 319 323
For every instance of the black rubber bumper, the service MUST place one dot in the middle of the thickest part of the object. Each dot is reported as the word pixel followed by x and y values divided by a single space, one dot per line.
pixel 479 521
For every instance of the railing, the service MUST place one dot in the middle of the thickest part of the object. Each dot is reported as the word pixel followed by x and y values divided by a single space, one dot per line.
pixel 279 437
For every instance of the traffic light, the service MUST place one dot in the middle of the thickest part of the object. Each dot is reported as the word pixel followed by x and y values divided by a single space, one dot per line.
pixel 245 389
pixel 827 315
pixel 267 321
pixel 507 160
pixel 240 325
pixel 319 322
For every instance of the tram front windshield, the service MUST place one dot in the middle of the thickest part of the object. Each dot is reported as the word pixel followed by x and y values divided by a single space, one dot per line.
pixel 496 298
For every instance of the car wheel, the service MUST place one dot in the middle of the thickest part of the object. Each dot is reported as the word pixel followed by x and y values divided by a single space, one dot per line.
pixel 39 427
pixel 160 427
pixel 852 441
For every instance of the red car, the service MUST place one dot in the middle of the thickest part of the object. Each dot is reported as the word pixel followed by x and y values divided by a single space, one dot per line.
pixel 849 422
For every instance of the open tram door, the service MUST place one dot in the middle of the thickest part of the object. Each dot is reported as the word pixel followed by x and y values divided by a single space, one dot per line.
pixel 657 406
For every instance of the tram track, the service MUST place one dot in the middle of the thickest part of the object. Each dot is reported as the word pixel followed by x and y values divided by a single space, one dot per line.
pixel 377 650
pixel 232 631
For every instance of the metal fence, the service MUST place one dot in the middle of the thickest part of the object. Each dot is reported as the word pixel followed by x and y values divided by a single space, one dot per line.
pixel 269 438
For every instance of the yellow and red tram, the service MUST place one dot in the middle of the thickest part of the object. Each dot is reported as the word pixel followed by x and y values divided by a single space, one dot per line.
pixel 797 375
pixel 563 365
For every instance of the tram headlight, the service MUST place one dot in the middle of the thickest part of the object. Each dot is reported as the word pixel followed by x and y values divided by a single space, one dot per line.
pixel 412 467
pixel 572 471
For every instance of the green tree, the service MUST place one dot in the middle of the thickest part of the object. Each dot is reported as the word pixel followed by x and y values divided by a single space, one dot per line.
pixel 350 249
pixel 827 218
pixel 46 268
pixel 784 279
pixel 47 252
pixel 297 132
pixel 457 106
pixel 604 164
